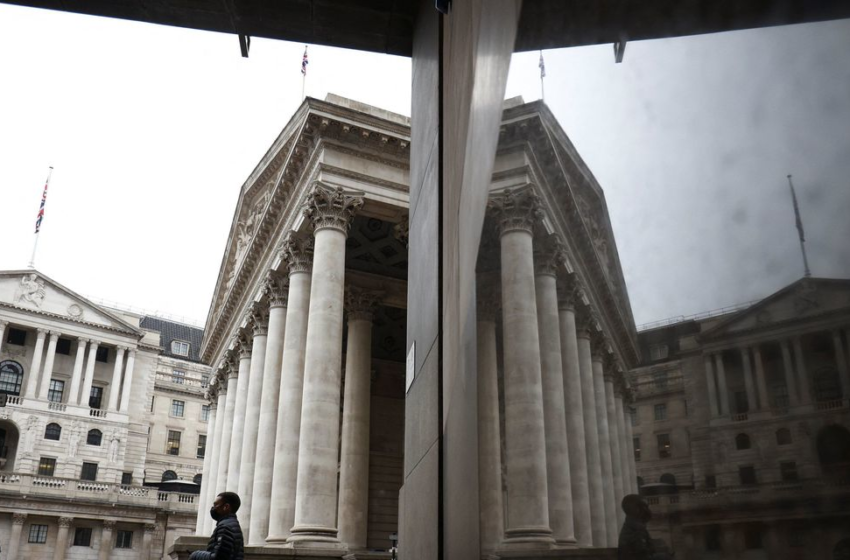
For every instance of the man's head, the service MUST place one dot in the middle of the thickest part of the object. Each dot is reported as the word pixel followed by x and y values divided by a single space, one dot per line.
pixel 225 504
pixel 635 507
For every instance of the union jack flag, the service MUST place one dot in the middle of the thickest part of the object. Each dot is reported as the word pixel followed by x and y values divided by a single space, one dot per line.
pixel 304 62
pixel 40 215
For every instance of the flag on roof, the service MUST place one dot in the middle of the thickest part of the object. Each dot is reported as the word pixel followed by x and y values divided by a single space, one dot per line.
pixel 40 215
pixel 542 66
pixel 304 62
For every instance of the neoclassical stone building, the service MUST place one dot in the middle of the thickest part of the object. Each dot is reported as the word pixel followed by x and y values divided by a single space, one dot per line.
pixel 741 427
pixel 77 380
pixel 307 338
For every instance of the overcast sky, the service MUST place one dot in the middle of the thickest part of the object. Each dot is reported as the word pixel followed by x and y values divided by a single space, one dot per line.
pixel 152 131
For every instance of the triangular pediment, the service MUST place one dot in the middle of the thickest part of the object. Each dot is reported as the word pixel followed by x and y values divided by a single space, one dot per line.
pixel 30 290
pixel 804 299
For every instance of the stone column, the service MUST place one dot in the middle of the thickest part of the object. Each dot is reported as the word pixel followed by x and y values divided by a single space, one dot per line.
pixel 331 212
pixel 226 430
pixel 298 254
pixel 115 385
pixel 721 384
pixel 614 430
pixel 277 291
pixel 85 393
pixel 47 372
pixel 147 539
pixel 712 386
pixel 764 397
pixel 788 369
pixel 600 349
pixel 527 523
pixel 748 380
pixel 573 408
pixel 127 388
pixel 62 538
pixel 3 325
pixel 35 367
pixel 215 460
pixel 630 442
pixel 548 260
pixel 203 503
pixel 599 528
pixel 841 363
pixel 491 520
pixel 248 448
pixel 354 455
pixel 18 520
pixel 77 374
pixel 106 540
pixel 623 466
pixel 237 433
pixel 805 394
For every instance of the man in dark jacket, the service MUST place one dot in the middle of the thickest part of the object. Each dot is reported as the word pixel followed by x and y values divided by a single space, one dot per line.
pixel 226 542
pixel 635 543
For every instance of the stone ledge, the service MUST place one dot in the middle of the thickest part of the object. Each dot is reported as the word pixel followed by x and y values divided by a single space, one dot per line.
pixel 571 554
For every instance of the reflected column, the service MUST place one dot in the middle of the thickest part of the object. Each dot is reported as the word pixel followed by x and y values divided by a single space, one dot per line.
pixel 85 393
pixel 212 439
pixel 600 349
pixel 220 396
pixel 841 361
pixel 47 372
pixel 247 448
pixel 35 367
pixel 609 365
pixel 238 434
pixel 228 389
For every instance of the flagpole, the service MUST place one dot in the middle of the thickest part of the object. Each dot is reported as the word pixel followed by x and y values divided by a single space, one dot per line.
pixel 304 74
pixel 800 232
pixel 38 225
pixel 542 75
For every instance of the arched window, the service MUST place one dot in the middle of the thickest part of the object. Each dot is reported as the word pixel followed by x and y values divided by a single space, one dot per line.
pixel 94 437
pixel 11 377
pixel 169 475
pixel 783 436
pixel 667 478
pixel 197 479
pixel 742 441
pixel 53 431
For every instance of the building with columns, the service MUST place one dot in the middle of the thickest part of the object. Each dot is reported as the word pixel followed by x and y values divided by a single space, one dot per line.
pixel 311 372
pixel 76 429
pixel 742 427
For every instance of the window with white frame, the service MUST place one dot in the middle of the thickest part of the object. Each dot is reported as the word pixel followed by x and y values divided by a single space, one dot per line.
pixel 205 413
pixel 177 408
pixel 38 534
pixel 173 445
pixel 124 539
pixel 179 347
pixel 178 377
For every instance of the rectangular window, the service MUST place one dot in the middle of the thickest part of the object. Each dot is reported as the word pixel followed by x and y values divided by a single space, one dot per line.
pixel 89 472
pixel 180 348
pixel 173 445
pixel 205 381
pixel 660 412
pixel 56 390
pixel 153 401
pixel 46 466
pixel 102 354
pixel 710 481
pixel 658 352
pixel 712 538
pixel 177 408
pixel 747 475
pixel 38 534
pixel 82 536
pixel 202 446
pixel 663 445
pixel 205 413
pixel 16 337
pixel 127 478
pixel 178 377
pixel 63 346
pixel 636 444
pixel 752 538
pixel 779 393
pixel 124 539
pixel 789 471
pixel 95 397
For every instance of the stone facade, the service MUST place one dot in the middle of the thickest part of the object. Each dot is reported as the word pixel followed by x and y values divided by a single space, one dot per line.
pixel 741 426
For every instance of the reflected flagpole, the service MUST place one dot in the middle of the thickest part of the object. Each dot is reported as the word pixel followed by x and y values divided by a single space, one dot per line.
pixel 542 75
pixel 40 217
pixel 799 223
pixel 304 63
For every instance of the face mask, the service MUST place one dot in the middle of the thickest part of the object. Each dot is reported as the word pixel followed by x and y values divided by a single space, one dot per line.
pixel 214 514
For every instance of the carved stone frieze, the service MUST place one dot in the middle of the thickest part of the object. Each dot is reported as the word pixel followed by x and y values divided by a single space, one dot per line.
pixel 31 290
pixel 329 207
pixel 516 210
pixel 360 303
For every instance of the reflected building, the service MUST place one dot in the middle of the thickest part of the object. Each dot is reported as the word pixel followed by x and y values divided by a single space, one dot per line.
pixel 741 427
pixel 308 336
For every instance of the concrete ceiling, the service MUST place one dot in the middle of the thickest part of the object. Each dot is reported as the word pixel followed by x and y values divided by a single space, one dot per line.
pixel 386 26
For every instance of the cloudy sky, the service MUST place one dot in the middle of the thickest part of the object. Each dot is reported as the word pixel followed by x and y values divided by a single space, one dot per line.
pixel 152 131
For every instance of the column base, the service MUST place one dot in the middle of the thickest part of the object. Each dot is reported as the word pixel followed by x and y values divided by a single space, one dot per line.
pixel 575 554
pixel 566 544
pixel 306 536
pixel 527 538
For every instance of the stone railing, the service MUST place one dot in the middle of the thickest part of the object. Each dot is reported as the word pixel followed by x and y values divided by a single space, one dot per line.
pixel 829 405
pixel 740 417
pixel 97 413
pixel 69 409
pixel 647 387
pixel 57 406
pixel 25 484
pixel 187 382
pixel 13 400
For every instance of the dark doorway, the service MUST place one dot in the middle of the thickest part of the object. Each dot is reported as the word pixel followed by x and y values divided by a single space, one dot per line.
pixel 833 444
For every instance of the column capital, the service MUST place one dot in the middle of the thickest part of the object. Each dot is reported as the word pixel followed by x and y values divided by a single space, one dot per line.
pixel 586 323
pixel 82 341
pixel 108 524
pixel 276 289
pixel 122 348
pixel 3 323
pixel 360 303
pixel 19 518
pixel 550 255
pixel 42 332
pixel 242 347
pixel 296 251
pixel 401 231
pixel 599 346
pixel 259 320
pixel 516 209
pixel 55 334
pixel 570 292
pixel 150 527
pixel 65 521
pixel 94 343
pixel 328 207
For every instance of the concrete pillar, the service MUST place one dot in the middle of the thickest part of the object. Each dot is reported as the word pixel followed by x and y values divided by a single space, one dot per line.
pixel 330 211
pixel 35 367
pixel 527 523
pixel 255 358
pixel 614 430
pixel 749 385
pixel 623 466
pixel 841 363
pixel 47 372
pixel 106 543
pixel 600 348
pixel 788 369
pixel 722 388
pixel 491 524
pixel 237 433
pixel 298 254
pixel 630 439
pixel 764 397
pixel 62 538
pixel 599 528
pixel 127 388
pixel 710 382
pixel 277 290
pixel 115 385
pixel 226 430
pixel 3 325
pixel 18 520
pixel 215 460
pixel 203 503
pixel 548 260
pixel 354 455
pixel 77 372
pixel 147 538
pixel 805 394
pixel 85 392
pixel 574 415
